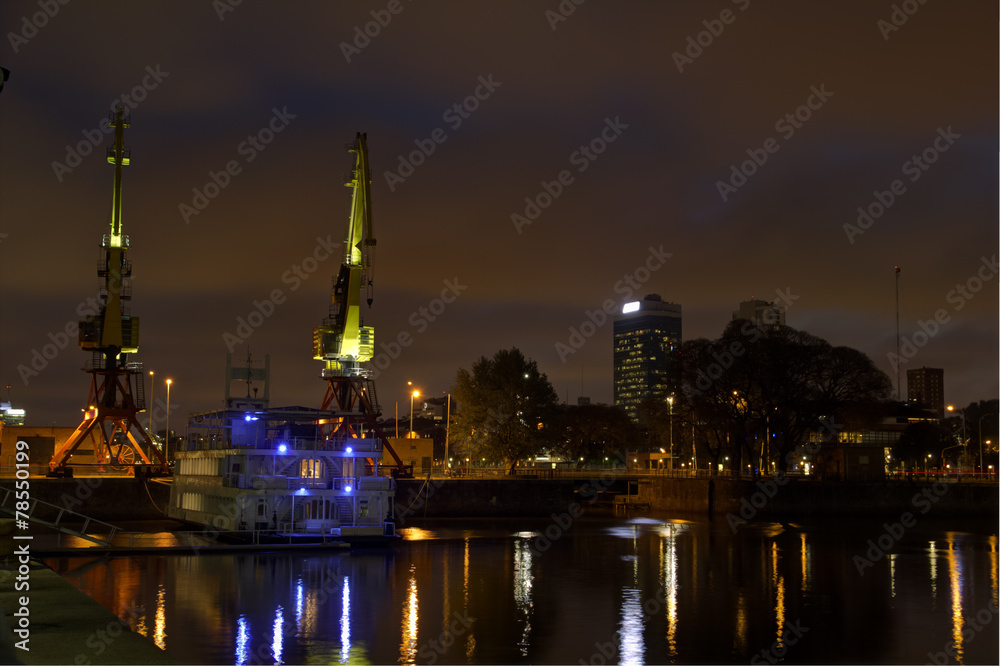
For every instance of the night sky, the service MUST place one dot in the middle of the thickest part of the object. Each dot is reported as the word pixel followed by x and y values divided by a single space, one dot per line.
pixel 644 126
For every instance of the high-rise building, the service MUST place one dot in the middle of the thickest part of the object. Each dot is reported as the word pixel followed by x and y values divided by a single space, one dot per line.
pixel 647 334
pixel 925 388
pixel 764 314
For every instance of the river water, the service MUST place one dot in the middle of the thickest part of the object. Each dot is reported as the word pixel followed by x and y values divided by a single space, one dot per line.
pixel 599 589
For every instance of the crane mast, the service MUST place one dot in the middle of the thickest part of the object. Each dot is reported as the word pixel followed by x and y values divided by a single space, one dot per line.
pixel 342 342
pixel 110 422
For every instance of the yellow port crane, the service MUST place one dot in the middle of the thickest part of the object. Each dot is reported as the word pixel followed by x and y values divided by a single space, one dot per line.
pixel 111 335
pixel 343 343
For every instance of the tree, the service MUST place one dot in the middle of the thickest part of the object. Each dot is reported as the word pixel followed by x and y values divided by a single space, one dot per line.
pixel 760 391
pixel 506 408
pixel 592 432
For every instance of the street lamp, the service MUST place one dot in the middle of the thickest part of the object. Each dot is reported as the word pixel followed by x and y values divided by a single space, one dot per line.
pixel 981 469
pixel 414 394
pixel 152 391
pixel 166 441
pixel 670 402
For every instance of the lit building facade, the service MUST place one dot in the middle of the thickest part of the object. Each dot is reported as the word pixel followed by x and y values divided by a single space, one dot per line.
pixel 647 335
pixel 925 388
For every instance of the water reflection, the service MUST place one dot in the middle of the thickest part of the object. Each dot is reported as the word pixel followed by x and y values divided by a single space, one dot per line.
pixel 779 597
pixel 605 582
pixel 278 636
pixel 522 590
pixel 242 641
pixel 955 582
pixel 408 644
pixel 160 630
pixel 345 622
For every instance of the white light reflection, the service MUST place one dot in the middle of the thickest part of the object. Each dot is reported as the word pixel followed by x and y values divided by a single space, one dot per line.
pixel 632 649
pixel 932 554
pixel 345 623
pixel 276 640
pixel 892 575
pixel 160 628
pixel 522 589
pixel 299 598
pixel 242 641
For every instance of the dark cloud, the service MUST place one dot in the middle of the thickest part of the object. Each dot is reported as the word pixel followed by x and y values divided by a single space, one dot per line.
pixel 222 81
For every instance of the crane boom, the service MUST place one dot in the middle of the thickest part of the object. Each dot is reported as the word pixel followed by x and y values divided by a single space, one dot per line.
pixel 342 342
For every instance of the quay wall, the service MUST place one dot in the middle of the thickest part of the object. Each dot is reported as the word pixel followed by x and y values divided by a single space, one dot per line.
pixel 125 499
pixel 102 498
pixel 488 498
pixel 775 498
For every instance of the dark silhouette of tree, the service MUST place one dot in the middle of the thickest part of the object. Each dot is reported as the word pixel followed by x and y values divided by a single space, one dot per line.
pixel 507 408
pixel 593 432
pixel 757 393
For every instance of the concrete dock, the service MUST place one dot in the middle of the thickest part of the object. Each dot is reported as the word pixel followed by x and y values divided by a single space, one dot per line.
pixel 63 625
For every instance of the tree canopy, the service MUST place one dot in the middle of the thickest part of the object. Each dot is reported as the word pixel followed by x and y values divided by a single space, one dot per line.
pixel 506 408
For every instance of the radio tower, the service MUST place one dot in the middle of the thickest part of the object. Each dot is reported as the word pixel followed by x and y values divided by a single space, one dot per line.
pixel 112 407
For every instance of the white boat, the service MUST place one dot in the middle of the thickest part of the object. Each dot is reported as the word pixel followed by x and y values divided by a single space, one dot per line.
pixel 273 475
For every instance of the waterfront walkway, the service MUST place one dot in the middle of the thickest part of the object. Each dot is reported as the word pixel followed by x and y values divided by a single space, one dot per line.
pixel 64 625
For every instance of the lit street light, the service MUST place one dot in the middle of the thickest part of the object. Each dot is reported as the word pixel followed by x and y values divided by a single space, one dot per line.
pixel 166 441
pixel 670 402
pixel 152 391
pixel 414 394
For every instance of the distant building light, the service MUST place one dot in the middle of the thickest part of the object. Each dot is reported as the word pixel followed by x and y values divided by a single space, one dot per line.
pixel 350 449
pixel 630 307
pixel 347 488
pixel 282 448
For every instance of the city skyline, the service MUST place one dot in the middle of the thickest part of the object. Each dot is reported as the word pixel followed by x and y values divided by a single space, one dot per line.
pixel 563 165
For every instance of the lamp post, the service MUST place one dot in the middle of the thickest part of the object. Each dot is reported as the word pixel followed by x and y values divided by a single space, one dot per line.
pixel 447 427
pixel 152 391
pixel 981 469
pixel 965 440
pixel 166 441
pixel 670 403
pixel 413 394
